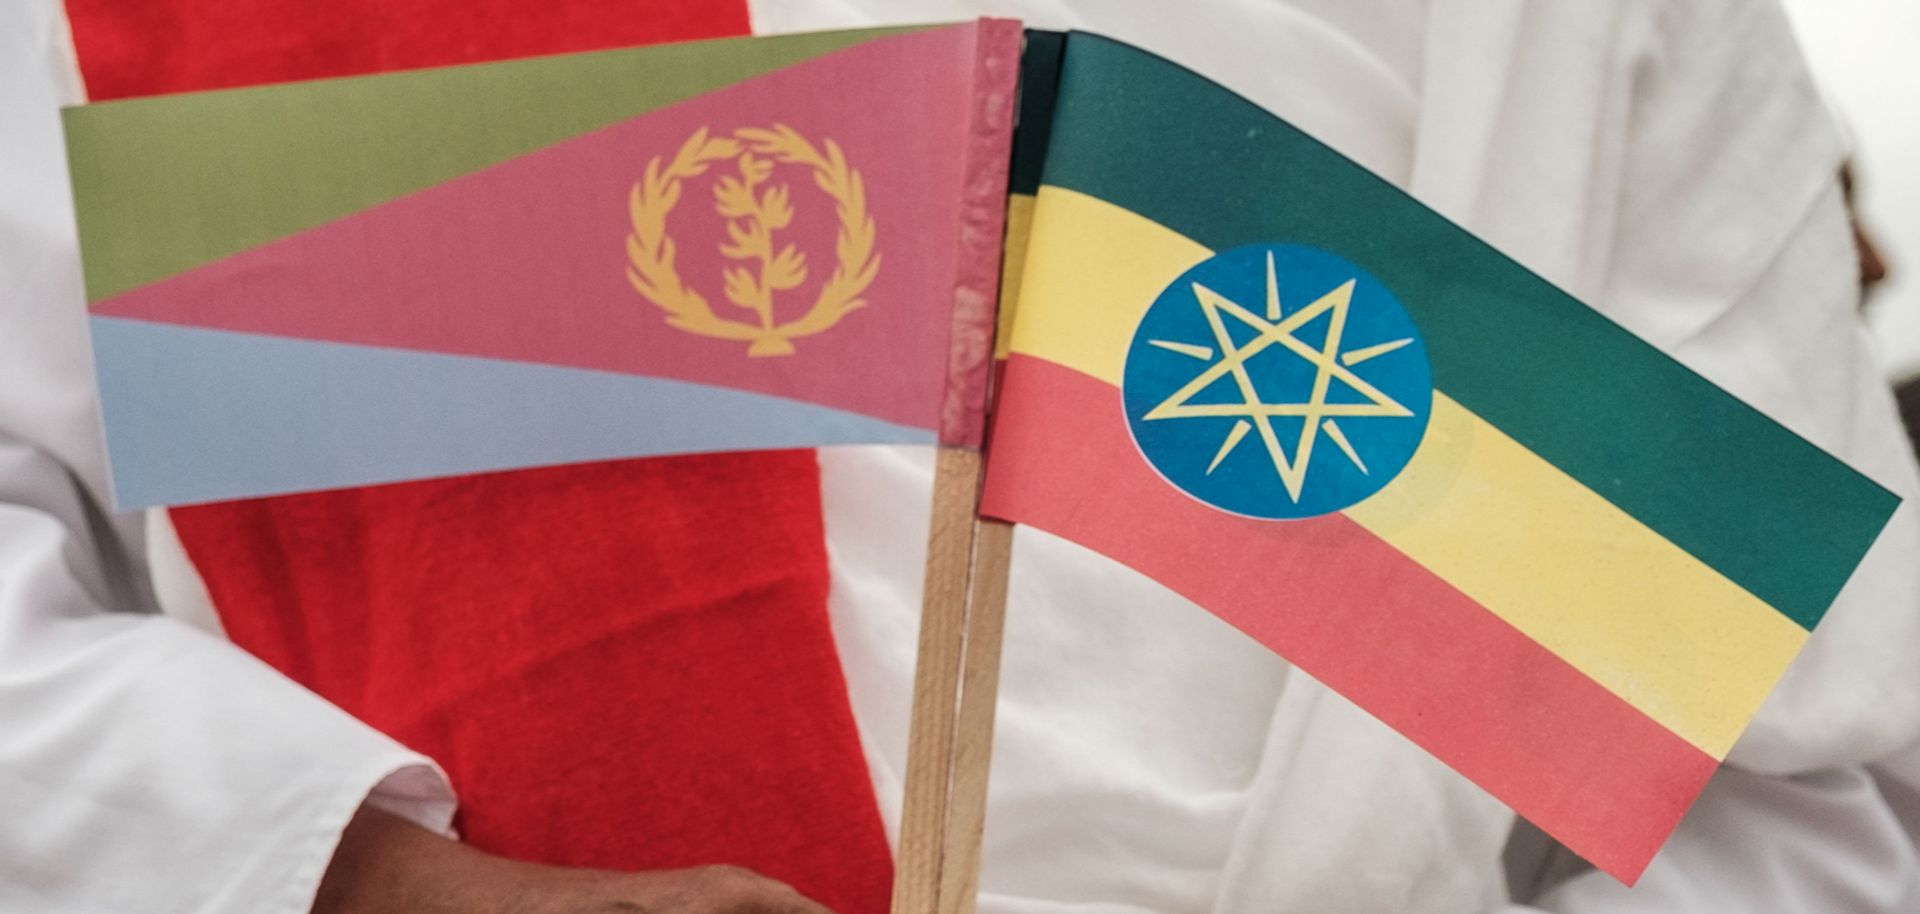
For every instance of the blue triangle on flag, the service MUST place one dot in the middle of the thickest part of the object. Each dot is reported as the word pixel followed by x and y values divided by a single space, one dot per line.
pixel 295 415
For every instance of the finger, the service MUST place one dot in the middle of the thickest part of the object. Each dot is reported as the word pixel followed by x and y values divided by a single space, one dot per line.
pixel 797 903
pixel 777 897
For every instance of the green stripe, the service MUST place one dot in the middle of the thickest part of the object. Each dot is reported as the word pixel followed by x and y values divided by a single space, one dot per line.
pixel 166 184
pixel 1039 88
pixel 1763 506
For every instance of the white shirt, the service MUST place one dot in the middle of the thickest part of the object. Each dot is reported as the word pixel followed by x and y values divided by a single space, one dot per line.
pixel 1670 164
pixel 144 766
pixel 1148 758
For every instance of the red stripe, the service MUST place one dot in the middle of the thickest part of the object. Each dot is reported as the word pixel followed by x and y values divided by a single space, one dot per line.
pixel 1355 613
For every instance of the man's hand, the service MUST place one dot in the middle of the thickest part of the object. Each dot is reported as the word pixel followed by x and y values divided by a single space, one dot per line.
pixel 386 865
pixel 702 890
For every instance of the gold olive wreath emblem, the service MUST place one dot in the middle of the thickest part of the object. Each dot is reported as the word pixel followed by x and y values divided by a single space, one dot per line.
pixel 753 214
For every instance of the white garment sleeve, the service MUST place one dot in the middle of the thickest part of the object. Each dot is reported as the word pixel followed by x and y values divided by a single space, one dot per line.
pixel 144 766
pixel 1764 844
pixel 1668 163
pixel 1731 250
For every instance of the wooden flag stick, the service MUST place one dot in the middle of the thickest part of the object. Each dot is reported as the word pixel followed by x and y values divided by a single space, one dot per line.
pixel 973 737
pixel 956 683
pixel 936 682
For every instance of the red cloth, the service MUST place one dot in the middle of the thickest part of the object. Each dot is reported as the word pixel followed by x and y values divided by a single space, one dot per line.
pixel 622 664
pixel 149 47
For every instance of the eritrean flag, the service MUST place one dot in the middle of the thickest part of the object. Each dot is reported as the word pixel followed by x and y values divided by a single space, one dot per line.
pixel 740 244
pixel 1528 540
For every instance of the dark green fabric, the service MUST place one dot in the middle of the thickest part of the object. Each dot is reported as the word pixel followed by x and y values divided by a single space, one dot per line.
pixel 1039 85
pixel 1716 477
pixel 147 171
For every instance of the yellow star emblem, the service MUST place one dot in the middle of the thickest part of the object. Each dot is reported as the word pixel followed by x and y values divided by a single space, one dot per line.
pixel 1329 363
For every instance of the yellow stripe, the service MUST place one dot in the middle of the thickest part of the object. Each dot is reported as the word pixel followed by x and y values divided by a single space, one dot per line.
pixel 1096 287
pixel 1584 579
pixel 1012 266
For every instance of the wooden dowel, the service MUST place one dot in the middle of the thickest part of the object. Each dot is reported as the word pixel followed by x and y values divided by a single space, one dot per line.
pixel 973 737
pixel 936 682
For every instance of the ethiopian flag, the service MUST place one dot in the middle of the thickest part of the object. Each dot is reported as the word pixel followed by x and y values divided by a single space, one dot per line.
pixel 740 244
pixel 1531 542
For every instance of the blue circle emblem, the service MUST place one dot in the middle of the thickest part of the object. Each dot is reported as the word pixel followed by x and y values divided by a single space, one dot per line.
pixel 1277 381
